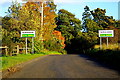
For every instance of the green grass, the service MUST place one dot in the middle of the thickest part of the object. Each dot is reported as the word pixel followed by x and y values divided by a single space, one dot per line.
pixel 51 52
pixel 11 61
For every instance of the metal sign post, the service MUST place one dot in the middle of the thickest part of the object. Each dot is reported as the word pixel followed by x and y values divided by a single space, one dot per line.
pixel 26 45
pixel 32 45
pixel 107 42
pixel 100 43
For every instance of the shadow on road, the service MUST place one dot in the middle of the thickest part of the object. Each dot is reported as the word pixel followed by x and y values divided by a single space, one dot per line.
pixel 100 63
pixel 94 61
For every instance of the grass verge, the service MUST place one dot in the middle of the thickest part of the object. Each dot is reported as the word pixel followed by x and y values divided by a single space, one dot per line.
pixel 11 61
pixel 110 46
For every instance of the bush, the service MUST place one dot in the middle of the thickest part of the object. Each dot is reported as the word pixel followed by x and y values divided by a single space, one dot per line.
pixel 81 43
pixel 53 45
pixel 38 46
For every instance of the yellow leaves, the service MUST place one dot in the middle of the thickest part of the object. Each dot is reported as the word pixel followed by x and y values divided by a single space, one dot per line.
pixel 31 5
pixel 111 20
pixel 46 10
pixel 30 14
pixel 49 22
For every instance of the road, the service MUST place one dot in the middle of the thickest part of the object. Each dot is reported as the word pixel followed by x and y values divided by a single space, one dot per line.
pixel 65 66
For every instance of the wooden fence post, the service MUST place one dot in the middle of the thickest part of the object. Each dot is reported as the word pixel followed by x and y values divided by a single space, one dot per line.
pixel 6 51
pixel 17 49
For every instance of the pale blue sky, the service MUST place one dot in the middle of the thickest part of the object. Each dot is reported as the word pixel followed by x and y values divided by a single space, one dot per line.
pixel 78 9
pixel 75 6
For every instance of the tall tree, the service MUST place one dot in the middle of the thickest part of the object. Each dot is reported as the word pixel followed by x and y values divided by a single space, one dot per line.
pixel 49 20
pixel 101 18
pixel 69 26
pixel 10 30
pixel 29 18
pixel 26 17
pixel 52 40
pixel 86 15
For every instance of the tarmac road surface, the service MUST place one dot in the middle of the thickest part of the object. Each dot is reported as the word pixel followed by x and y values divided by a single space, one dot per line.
pixel 65 66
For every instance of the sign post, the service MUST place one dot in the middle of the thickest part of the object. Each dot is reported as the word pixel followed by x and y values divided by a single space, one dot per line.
pixel 105 33
pixel 100 43
pixel 28 34
pixel 32 45
pixel 107 42
pixel 26 45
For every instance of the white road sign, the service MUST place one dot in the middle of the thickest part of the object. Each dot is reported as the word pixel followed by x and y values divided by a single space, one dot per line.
pixel 106 33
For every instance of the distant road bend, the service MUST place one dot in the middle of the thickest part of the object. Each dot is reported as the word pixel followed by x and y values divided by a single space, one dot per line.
pixel 64 66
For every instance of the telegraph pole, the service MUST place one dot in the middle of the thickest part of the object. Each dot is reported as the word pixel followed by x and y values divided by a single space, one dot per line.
pixel 42 20
pixel 42 14
pixel 107 42
pixel 26 45
pixel 100 42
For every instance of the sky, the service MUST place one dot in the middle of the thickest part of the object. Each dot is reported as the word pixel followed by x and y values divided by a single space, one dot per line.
pixel 75 6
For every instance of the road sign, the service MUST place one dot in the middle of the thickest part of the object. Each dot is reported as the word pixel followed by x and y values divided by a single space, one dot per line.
pixel 106 33
pixel 27 34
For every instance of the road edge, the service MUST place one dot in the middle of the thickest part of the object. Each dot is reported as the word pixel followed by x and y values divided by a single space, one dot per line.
pixel 18 67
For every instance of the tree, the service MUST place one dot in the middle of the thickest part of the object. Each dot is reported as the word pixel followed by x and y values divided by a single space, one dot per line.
pixel 117 23
pixel 0 31
pixel 52 39
pixel 101 19
pixel 29 17
pixel 107 22
pixel 13 10
pixel 86 15
pixel 10 28
pixel 26 17
pixel 49 20
pixel 56 43
pixel 69 26
pixel 92 26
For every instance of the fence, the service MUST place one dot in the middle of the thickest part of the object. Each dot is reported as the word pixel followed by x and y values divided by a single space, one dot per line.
pixel 15 51
pixel 18 49
pixel 6 49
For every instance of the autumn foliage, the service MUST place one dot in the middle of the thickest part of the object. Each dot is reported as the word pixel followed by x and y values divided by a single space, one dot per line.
pixel 49 21
pixel 59 36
